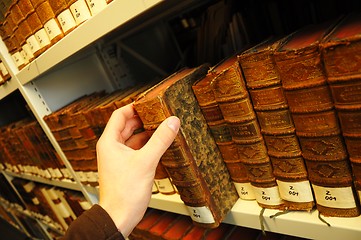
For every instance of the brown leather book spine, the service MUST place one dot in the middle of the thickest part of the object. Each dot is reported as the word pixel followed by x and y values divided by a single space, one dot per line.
pixel 199 173
pixel 162 180
pixel 270 105
pixel 232 96
pixel 341 54
pixel 222 136
pixel 309 99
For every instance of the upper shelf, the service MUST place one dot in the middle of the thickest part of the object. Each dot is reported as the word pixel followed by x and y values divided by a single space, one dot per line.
pixel 117 13
pixel 301 224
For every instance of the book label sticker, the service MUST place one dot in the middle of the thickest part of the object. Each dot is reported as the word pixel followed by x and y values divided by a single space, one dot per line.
pixel 80 11
pixel 164 185
pixel 66 20
pixel 42 38
pixel 341 197
pixel 267 196
pixel 245 191
pixel 33 44
pixel 96 6
pixel 295 191
pixel 52 28
pixel 201 214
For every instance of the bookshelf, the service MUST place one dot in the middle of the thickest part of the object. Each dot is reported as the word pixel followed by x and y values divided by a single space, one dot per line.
pixel 47 83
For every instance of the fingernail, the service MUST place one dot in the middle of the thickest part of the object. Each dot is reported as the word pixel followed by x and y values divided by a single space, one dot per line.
pixel 173 123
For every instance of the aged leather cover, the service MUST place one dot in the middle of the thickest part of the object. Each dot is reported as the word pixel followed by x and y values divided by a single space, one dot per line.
pixel 193 161
pixel 341 52
pixel 274 118
pixel 310 102
pixel 221 134
pixel 232 96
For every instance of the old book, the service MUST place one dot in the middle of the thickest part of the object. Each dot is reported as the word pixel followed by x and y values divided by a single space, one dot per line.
pixel 310 102
pixel 232 96
pixel 219 128
pixel 341 57
pixel 274 118
pixel 193 161
pixel 181 226
pixel 163 181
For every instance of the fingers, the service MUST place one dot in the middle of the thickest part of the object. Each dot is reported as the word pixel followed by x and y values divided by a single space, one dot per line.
pixel 122 123
pixel 161 139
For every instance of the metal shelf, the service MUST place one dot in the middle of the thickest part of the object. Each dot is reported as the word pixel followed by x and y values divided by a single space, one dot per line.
pixel 301 224
pixel 110 18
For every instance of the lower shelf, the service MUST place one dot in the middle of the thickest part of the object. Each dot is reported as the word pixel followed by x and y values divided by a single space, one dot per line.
pixel 301 224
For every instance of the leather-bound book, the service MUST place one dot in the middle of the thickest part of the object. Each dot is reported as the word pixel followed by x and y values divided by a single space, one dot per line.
pixel 165 222
pixel 221 134
pixel 193 161
pixel 162 180
pixel 151 217
pixel 274 117
pixel 341 52
pixel 232 96
pixel 309 98
pixel 180 227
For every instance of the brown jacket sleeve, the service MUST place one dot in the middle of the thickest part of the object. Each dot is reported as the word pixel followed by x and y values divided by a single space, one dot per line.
pixel 94 223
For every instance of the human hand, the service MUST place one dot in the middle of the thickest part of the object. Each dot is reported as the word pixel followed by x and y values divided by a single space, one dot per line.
pixel 127 163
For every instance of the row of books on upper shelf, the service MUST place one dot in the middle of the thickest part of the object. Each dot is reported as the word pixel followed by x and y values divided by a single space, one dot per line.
pixel 278 123
pixel 157 224
pixel 25 149
pixel 30 27
pixel 55 207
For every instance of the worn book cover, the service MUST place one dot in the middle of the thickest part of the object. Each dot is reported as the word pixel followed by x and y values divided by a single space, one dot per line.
pixel 309 98
pixel 341 54
pixel 193 161
pixel 274 117
pixel 219 128
pixel 232 96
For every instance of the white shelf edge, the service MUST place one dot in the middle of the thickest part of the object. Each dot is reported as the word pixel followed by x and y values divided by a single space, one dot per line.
pixel 62 184
pixel 301 224
pixel 85 34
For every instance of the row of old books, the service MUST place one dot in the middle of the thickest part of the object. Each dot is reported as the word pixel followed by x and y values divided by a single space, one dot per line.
pixel 285 116
pixel 29 27
pixel 162 225
pixel 25 149
pixel 78 126
pixel 57 207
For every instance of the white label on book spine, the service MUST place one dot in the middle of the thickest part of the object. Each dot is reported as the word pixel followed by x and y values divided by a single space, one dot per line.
pixel 295 191
pixel 96 6
pixel 201 214
pixel 164 185
pixel 18 59
pixel 66 20
pixel 42 38
pixel 33 44
pixel 85 205
pixel 340 197
pixel 267 196
pixel 52 29
pixel 3 69
pixel 80 11
pixel 359 195
pixel 81 175
pixel 27 51
pixel 245 191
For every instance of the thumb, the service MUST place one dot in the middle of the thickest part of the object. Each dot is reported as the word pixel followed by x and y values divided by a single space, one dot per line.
pixel 161 139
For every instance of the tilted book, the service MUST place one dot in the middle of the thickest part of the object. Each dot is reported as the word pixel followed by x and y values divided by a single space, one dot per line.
pixel 309 98
pixel 341 54
pixel 270 105
pixel 219 128
pixel 193 161
pixel 232 96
